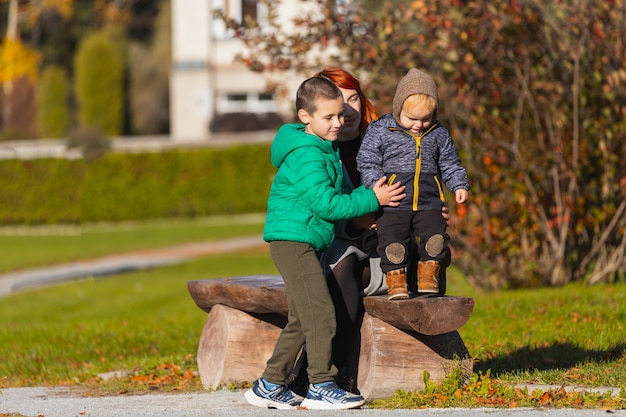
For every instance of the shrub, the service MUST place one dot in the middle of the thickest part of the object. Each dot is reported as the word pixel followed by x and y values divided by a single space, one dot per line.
pixel 116 186
pixel 91 141
pixel 99 76
pixel 54 114
pixel 149 79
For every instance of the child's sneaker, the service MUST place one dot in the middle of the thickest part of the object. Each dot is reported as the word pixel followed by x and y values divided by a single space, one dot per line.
pixel 328 396
pixel 266 395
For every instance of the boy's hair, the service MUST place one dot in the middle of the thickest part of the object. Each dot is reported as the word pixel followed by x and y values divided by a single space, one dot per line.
pixel 311 89
pixel 420 100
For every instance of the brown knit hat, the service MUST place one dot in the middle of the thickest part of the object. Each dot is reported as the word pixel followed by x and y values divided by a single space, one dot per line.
pixel 414 82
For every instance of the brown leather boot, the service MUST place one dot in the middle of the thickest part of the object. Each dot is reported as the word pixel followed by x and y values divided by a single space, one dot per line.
pixel 396 284
pixel 428 277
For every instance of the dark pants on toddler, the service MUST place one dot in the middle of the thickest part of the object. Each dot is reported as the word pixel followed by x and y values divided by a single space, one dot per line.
pixel 396 229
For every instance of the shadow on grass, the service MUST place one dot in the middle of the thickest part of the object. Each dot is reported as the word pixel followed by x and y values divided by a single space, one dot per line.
pixel 555 356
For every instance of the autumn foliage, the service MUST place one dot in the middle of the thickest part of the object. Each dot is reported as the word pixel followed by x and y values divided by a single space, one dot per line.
pixel 16 60
pixel 534 94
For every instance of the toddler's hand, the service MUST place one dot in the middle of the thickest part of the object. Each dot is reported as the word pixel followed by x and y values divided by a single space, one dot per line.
pixel 461 196
pixel 388 195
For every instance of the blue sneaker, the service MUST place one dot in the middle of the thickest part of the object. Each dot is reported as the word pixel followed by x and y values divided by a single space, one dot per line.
pixel 266 395
pixel 328 396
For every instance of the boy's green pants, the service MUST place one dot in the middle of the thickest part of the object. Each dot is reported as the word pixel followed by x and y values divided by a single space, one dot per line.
pixel 311 317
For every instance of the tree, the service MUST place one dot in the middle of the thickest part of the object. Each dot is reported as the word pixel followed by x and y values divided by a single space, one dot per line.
pixel 17 60
pixel 54 93
pixel 149 78
pixel 534 94
pixel 47 32
pixel 99 75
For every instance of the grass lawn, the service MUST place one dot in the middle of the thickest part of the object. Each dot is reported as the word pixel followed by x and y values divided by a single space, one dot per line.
pixel 28 247
pixel 146 326
pixel 144 322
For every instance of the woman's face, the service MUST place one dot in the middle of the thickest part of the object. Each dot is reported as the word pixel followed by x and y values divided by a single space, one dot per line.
pixel 352 114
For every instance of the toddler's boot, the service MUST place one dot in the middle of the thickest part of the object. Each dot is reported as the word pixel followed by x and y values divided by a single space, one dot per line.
pixel 428 277
pixel 397 288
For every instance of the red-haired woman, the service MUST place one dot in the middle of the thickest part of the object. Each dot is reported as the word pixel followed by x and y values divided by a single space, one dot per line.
pixel 351 263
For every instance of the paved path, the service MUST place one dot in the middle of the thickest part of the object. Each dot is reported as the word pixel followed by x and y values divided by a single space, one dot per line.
pixel 63 402
pixel 116 264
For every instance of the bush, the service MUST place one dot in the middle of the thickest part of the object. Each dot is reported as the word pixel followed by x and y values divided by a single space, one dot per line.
pixel 99 75
pixel 54 114
pixel 91 141
pixel 121 187
pixel 149 79
pixel 534 96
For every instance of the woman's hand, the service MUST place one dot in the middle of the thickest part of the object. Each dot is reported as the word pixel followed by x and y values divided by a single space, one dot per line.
pixel 367 221
pixel 389 195
pixel 445 213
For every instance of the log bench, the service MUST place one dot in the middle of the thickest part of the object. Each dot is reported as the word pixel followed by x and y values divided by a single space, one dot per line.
pixel 399 339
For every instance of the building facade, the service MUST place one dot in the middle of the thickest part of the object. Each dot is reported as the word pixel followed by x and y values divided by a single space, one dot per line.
pixel 209 91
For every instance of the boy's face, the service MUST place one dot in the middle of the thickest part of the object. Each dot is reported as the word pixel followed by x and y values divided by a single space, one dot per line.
pixel 416 119
pixel 326 121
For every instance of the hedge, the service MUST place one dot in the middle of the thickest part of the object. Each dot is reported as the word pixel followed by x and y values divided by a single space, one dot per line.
pixel 120 186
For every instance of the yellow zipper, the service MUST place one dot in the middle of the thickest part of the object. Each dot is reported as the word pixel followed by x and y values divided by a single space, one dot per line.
pixel 441 196
pixel 418 164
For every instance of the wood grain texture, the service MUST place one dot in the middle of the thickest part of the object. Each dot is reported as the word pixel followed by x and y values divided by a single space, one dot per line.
pixel 399 339
pixel 392 359
pixel 263 294
pixel 428 315
pixel 254 294
pixel 235 345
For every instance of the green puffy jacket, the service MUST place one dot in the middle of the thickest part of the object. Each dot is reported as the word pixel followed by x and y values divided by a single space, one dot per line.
pixel 306 198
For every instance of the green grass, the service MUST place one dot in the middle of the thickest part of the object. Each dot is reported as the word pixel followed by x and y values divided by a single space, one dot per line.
pixel 146 324
pixel 574 335
pixel 28 247
pixel 69 333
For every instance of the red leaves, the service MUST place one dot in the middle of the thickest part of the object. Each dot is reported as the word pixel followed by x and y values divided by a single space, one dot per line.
pixel 166 374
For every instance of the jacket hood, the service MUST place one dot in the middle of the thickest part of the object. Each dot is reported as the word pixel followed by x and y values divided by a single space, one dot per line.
pixel 292 136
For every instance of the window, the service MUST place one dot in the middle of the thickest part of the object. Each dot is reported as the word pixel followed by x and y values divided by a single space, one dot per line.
pixel 249 9
pixel 237 97
pixel 246 103
pixel 238 10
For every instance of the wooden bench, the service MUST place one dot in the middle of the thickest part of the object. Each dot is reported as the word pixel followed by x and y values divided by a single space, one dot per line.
pixel 399 339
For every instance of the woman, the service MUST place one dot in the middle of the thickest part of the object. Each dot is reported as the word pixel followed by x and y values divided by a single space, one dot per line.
pixel 351 263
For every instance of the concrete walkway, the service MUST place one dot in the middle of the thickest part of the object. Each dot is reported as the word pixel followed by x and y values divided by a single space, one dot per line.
pixel 63 402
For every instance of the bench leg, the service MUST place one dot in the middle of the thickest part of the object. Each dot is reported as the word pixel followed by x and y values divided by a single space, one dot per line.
pixel 234 345
pixel 393 359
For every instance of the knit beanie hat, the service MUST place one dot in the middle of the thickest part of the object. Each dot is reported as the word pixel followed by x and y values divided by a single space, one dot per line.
pixel 414 82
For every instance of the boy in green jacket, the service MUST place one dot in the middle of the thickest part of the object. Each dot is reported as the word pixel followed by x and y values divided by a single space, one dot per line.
pixel 306 200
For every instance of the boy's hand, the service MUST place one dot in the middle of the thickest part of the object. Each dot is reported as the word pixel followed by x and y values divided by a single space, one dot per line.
pixel 388 195
pixel 461 196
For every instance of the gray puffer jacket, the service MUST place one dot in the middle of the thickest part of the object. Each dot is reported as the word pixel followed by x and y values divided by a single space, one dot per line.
pixel 421 163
